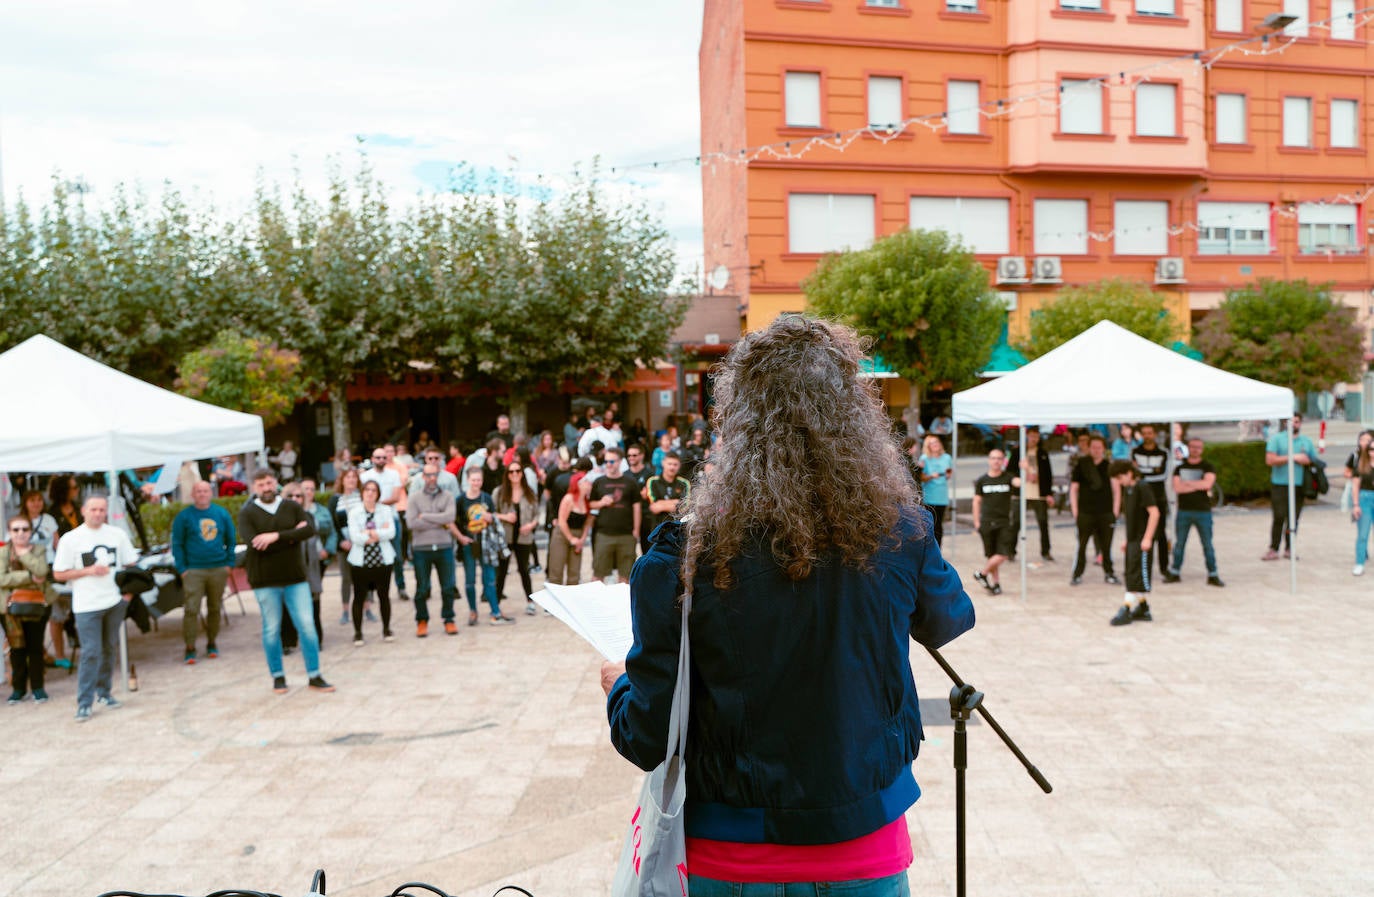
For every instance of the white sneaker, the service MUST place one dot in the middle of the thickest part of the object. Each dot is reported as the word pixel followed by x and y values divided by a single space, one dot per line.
pixel 1357 570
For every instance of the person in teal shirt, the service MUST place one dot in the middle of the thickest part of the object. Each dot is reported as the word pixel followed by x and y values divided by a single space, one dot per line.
pixel 1123 443
pixel 935 466
pixel 1276 452
pixel 203 550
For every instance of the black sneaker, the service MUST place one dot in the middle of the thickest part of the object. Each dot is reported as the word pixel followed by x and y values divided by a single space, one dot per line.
pixel 15 697
pixel 317 683
pixel 1047 558
pixel 402 595
pixel 1123 616
pixel 1172 578
pixel 279 685
pixel 996 588
pixel 982 579
pixel 1142 612
pixel 1216 581
pixel 1111 580
pixel 1076 581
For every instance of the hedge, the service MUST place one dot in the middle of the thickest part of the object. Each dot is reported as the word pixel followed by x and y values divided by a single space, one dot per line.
pixel 157 519
pixel 1241 471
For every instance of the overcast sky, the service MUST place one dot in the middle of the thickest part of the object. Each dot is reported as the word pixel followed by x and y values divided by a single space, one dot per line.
pixel 206 94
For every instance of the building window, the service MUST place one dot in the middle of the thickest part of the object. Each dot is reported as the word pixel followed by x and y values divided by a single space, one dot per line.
pixel 803 99
pixel 1345 123
pixel 1156 110
pixel 1081 5
pixel 1300 9
pixel 1142 227
pixel 961 5
pixel 1297 121
pixel 1080 109
pixel 1233 228
pixel 885 4
pixel 1230 109
pixel 1327 228
pixel 1061 227
pixel 981 224
pixel 885 103
pixel 1230 15
pixel 824 222
pixel 1342 19
pixel 1155 8
pixel 961 107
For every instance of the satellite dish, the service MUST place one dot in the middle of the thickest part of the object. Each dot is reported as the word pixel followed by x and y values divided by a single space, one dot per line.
pixel 719 277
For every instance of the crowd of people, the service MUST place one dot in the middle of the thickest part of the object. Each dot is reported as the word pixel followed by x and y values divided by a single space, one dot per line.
pixel 389 515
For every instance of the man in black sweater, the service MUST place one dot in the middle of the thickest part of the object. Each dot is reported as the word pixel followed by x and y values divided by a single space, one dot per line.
pixel 273 530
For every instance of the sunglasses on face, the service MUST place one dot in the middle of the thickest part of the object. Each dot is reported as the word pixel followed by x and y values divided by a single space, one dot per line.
pixel 21 529
pixel 512 470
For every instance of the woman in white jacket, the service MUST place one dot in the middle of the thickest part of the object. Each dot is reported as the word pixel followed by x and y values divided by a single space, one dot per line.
pixel 371 528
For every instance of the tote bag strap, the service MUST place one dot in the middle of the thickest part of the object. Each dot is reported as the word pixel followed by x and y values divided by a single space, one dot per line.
pixel 677 717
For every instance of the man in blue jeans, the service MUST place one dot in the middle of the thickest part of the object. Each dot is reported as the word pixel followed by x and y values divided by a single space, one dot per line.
pixel 430 514
pixel 274 531
pixel 87 557
pixel 475 512
pixel 1193 480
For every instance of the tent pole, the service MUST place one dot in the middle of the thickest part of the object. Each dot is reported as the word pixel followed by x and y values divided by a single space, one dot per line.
pixel 1292 517
pixel 953 481
pixel 1021 536
pixel 112 483
pixel 1170 510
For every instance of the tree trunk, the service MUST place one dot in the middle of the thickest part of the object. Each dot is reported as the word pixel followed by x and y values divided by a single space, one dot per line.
pixel 912 414
pixel 519 415
pixel 338 418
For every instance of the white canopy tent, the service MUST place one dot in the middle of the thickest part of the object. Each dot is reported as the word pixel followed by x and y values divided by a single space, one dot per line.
pixel 66 412
pixel 1108 373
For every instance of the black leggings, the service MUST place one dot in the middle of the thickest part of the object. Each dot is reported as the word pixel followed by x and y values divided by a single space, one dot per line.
pixel 937 514
pixel 522 563
pixel 26 664
pixel 1281 527
pixel 377 579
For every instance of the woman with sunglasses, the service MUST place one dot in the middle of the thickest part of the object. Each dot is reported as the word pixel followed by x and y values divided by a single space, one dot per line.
pixel 1362 499
pixel 371 531
pixel 517 507
pixel 24 575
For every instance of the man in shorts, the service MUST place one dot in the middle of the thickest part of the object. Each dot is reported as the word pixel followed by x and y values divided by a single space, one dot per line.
pixel 616 499
pixel 1140 510
pixel 994 518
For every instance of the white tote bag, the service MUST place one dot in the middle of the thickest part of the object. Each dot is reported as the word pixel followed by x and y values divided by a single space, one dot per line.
pixel 653 861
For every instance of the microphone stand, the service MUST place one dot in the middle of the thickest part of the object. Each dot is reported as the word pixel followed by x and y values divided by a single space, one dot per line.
pixel 963 700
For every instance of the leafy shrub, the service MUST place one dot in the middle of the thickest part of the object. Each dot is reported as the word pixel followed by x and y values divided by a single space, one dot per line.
pixel 1241 471
pixel 157 519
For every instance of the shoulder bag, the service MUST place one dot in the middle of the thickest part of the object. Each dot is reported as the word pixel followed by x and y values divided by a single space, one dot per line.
pixel 653 861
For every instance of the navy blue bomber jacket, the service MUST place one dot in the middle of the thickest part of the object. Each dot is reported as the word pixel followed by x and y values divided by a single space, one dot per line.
pixel 804 720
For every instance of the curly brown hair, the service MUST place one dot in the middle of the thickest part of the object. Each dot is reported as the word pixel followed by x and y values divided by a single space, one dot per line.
pixel 807 461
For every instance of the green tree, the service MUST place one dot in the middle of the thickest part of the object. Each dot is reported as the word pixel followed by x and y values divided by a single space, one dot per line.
pixel 579 288
pixel 1131 304
pixel 923 298
pixel 1288 332
pixel 244 374
pixel 322 280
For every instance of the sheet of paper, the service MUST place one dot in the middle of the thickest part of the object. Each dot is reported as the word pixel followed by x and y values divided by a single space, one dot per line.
pixel 597 612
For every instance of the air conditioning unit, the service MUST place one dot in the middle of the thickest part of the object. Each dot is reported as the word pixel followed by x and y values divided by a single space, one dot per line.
pixel 1169 270
pixel 1011 269
pixel 1047 270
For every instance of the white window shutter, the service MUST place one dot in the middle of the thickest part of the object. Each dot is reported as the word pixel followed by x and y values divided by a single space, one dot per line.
pixel 1299 8
pixel 1155 110
pixel 803 99
pixel 1080 110
pixel 1141 226
pixel 1343 19
pixel 1155 7
pixel 1345 123
pixel 961 105
pixel 885 102
pixel 1230 15
pixel 1252 215
pixel 1061 226
pixel 1297 121
pixel 983 224
pixel 823 222
pixel 1230 112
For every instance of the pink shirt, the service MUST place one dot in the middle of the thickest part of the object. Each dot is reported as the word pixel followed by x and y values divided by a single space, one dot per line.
pixel 876 855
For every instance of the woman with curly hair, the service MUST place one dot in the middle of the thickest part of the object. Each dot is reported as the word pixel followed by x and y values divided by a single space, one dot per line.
pixel 810 565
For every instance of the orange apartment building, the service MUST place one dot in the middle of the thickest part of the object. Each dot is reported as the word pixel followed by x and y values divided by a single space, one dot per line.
pixel 1201 178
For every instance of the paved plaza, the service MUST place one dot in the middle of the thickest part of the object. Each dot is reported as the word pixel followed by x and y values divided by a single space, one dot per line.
pixel 1226 748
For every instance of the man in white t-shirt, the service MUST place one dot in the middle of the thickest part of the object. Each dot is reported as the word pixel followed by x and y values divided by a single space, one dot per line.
pixel 87 557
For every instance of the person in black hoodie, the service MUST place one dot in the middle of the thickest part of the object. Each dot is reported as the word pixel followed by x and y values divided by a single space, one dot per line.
pixel 273 530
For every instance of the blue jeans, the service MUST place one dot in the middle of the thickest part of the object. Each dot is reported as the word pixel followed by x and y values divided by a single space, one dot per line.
pixel 891 886
pixel 1362 530
pixel 98 631
pixel 1185 521
pixel 472 560
pixel 295 598
pixel 440 559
